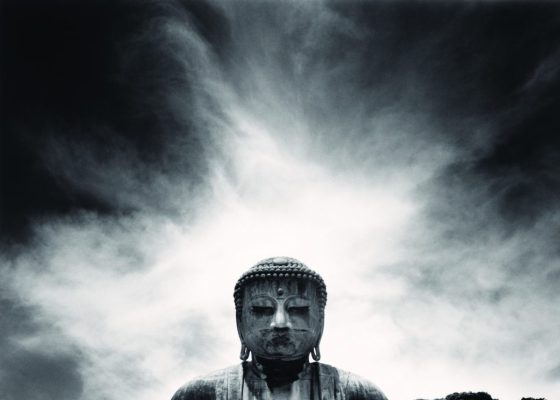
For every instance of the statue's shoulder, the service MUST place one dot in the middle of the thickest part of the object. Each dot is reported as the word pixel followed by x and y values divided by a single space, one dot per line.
pixel 206 387
pixel 354 386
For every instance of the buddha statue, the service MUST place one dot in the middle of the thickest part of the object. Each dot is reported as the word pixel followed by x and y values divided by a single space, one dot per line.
pixel 280 306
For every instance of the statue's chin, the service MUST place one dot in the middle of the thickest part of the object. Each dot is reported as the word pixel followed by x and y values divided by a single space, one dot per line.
pixel 283 356
pixel 285 349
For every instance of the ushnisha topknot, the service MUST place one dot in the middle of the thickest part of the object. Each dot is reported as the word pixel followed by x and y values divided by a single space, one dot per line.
pixel 279 267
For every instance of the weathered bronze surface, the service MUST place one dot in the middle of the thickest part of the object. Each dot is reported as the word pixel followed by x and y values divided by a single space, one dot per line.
pixel 280 317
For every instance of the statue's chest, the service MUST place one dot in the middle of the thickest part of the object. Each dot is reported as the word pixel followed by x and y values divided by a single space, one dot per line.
pixel 259 390
pixel 314 386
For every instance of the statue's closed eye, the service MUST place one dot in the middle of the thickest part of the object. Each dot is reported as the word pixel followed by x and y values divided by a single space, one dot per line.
pixel 262 310
pixel 298 310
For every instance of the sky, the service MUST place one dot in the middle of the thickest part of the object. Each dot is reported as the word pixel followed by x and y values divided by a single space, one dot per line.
pixel 152 151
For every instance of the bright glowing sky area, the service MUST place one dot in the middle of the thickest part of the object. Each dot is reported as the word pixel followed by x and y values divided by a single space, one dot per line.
pixel 154 151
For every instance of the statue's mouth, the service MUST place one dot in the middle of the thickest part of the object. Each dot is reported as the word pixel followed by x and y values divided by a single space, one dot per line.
pixel 286 332
pixel 280 340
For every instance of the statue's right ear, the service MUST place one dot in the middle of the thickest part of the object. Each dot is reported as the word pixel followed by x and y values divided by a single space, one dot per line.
pixel 239 325
pixel 245 352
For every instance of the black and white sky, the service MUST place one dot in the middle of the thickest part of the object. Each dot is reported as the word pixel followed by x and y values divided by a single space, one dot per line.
pixel 152 151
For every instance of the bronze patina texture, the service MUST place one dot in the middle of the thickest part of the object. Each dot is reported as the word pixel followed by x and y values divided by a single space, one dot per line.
pixel 280 305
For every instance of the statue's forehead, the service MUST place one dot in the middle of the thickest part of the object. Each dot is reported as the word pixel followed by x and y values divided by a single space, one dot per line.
pixel 280 288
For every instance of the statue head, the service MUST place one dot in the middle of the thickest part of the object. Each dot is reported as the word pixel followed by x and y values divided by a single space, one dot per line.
pixel 280 306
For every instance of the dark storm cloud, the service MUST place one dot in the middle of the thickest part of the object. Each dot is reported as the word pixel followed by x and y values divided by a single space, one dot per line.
pixel 96 86
pixel 55 64
pixel 504 186
pixel 34 372
pixel 467 66
pixel 32 375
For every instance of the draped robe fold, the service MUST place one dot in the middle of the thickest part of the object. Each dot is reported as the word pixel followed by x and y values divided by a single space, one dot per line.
pixel 243 382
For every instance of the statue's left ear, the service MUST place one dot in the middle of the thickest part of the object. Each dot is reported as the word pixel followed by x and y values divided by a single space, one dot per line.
pixel 315 352
pixel 321 330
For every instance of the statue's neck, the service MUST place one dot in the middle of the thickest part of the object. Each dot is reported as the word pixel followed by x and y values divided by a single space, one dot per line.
pixel 279 372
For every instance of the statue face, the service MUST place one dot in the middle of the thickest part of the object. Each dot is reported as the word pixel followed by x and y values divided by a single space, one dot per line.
pixel 281 319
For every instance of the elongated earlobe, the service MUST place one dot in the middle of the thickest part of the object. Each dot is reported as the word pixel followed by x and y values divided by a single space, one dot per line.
pixel 245 352
pixel 316 353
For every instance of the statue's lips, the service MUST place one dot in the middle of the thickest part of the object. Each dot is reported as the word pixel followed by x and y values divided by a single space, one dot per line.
pixel 290 333
pixel 280 340
pixel 281 332
pixel 283 342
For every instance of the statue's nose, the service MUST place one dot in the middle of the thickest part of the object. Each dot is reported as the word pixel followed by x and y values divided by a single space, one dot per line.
pixel 280 320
